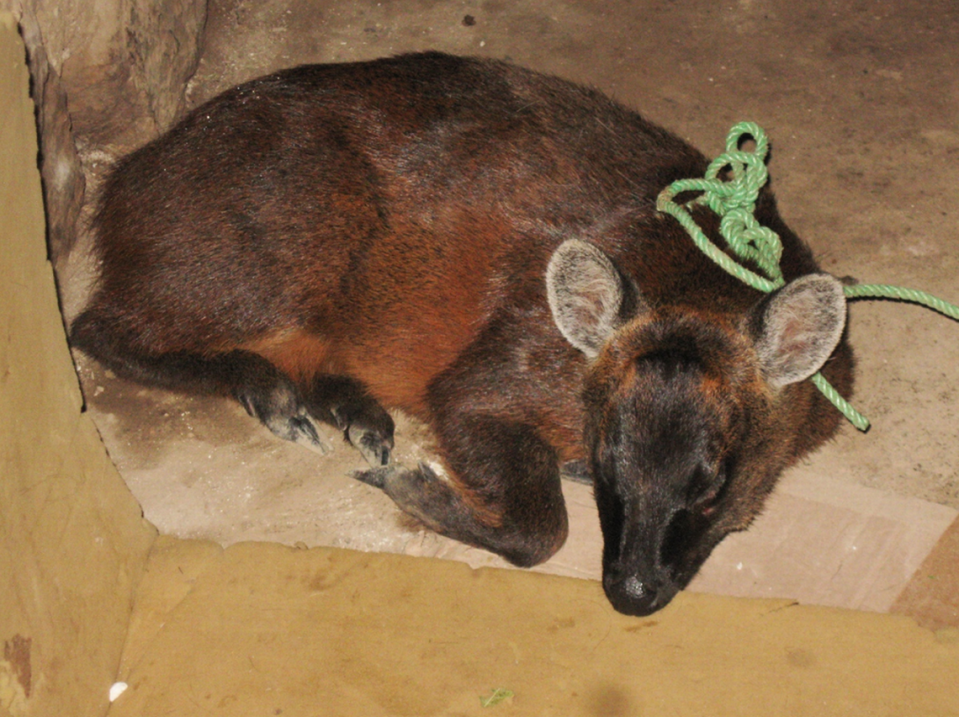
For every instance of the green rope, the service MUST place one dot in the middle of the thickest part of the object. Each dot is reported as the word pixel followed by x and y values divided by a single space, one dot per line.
pixel 734 200
pixel 913 296
pixel 855 418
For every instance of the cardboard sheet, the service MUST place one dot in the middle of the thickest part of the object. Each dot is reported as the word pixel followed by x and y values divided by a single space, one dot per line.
pixel 932 596
pixel 72 542
pixel 265 629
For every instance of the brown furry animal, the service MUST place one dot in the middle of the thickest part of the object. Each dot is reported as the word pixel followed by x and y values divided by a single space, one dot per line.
pixel 477 245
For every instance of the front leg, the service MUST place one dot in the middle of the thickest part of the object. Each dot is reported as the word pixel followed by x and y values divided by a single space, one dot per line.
pixel 345 403
pixel 503 492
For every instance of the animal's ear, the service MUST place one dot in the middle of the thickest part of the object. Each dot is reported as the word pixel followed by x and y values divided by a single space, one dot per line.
pixel 797 327
pixel 585 294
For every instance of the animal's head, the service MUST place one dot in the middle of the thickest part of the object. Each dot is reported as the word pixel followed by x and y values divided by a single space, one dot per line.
pixel 688 424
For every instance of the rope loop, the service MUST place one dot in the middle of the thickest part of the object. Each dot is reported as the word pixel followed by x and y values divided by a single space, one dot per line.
pixel 734 200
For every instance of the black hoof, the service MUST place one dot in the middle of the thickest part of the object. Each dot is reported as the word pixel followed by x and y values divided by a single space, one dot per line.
pixel 374 447
pixel 280 410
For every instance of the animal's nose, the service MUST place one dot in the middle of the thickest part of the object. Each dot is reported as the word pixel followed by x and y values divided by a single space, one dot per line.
pixel 635 589
pixel 632 596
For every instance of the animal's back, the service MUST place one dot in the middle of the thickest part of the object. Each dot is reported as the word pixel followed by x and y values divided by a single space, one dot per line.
pixel 372 219
pixel 364 219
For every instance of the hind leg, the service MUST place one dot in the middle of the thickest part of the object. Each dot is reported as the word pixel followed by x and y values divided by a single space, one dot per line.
pixel 264 391
pixel 344 402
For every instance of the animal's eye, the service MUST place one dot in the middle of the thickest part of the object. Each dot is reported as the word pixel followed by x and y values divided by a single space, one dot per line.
pixel 706 486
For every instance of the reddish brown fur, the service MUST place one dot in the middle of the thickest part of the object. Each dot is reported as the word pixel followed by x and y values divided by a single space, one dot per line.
pixel 353 237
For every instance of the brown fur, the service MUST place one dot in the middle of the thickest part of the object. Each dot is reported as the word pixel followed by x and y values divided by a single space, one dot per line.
pixel 330 241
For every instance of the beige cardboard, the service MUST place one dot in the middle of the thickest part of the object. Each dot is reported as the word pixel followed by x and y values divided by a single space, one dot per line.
pixel 932 596
pixel 823 541
pixel 72 541
pixel 271 630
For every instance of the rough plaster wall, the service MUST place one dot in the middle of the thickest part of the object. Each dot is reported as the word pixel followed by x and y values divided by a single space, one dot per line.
pixel 72 539
pixel 101 68
pixel 165 39
pixel 62 176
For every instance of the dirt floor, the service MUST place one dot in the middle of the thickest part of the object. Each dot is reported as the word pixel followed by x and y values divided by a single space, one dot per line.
pixel 861 101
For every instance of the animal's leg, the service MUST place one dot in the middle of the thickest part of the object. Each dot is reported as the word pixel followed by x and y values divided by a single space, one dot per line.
pixel 262 389
pixel 344 402
pixel 257 384
pixel 503 492
pixel 270 396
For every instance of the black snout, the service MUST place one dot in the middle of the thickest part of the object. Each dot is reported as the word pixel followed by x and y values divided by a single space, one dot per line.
pixel 650 562
pixel 632 595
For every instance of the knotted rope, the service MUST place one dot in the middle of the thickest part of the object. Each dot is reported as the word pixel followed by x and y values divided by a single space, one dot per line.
pixel 734 200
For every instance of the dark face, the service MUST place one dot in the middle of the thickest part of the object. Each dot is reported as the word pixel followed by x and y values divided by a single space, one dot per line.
pixel 668 403
pixel 692 410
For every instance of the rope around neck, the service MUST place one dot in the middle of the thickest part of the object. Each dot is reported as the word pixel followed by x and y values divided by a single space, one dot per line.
pixel 734 200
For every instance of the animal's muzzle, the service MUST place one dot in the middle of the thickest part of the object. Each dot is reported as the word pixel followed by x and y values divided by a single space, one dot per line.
pixel 632 595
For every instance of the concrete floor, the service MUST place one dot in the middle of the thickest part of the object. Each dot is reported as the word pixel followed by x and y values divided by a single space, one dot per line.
pixel 861 101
